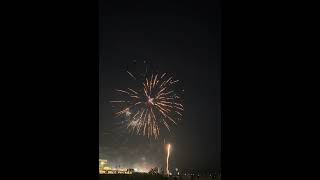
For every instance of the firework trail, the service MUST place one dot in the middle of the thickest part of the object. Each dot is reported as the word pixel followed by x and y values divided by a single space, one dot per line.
pixel 168 155
pixel 155 103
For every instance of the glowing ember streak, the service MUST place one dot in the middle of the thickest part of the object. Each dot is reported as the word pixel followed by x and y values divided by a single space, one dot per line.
pixel 133 91
pixel 163 75
pixel 131 75
pixel 116 101
pixel 174 82
pixel 122 91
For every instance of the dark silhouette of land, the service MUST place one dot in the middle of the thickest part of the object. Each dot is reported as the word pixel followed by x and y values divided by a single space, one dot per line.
pixel 150 177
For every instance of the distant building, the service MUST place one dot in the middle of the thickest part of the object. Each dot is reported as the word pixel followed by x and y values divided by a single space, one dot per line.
pixel 103 166
pixel 105 169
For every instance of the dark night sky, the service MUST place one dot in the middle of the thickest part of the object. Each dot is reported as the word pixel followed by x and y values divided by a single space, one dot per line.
pixel 182 39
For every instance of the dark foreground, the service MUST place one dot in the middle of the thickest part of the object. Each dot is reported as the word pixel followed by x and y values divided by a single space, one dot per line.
pixel 149 177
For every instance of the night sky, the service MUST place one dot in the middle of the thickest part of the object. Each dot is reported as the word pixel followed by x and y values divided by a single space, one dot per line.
pixel 181 39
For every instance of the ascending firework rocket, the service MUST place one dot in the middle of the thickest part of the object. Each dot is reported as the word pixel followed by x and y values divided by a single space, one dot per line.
pixel 168 155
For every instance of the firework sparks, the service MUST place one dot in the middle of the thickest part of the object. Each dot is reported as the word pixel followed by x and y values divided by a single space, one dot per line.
pixel 154 104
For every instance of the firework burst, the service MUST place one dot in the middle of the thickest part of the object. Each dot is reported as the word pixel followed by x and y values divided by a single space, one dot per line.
pixel 151 106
